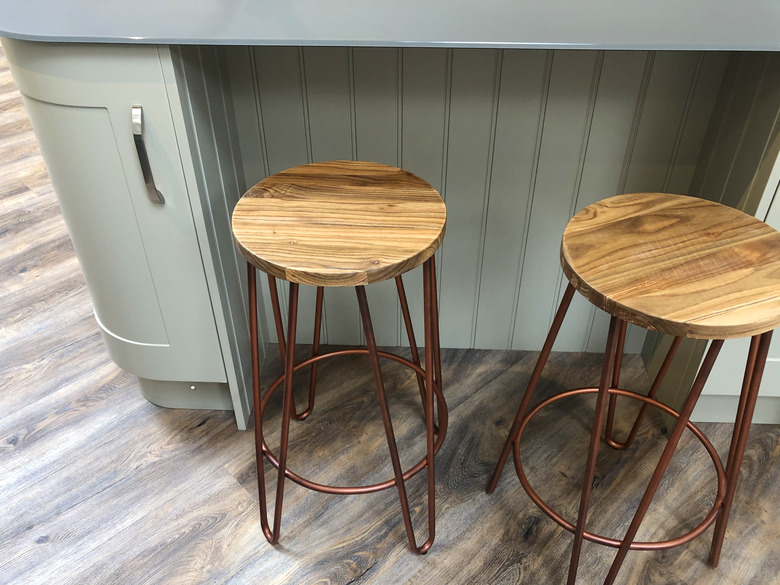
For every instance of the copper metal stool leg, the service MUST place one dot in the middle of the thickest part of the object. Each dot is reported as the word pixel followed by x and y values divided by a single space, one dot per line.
pixel 388 425
pixel 399 284
pixel 537 373
pixel 432 379
pixel 277 315
pixel 315 342
pixel 643 410
pixel 436 347
pixel 315 350
pixel 608 367
pixel 759 348
pixel 410 332
pixel 621 344
pixel 666 457
pixel 432 409
pixel 272 535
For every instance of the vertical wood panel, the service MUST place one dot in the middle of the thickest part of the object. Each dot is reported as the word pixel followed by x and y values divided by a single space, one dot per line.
pixel 523 83
pixel 770 98
pixel 514 148
pixel 743 94
pixel 469 147
pixel 662 114
pixel 697 122
pixel 207 103
pixel 377 139
pixel 231 174
pixel 242 77
pixel 758 129
pixel 716 123
pixel 566 121
pixel 280 103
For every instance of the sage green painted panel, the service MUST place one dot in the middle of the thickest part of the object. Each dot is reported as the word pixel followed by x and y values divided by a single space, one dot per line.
pixel 715 408
pixel 469 151
pixel 377 139
pixel 377 104
pixel 227 188
pixel 663 113
pixel 716 124
pixel 697 121
pixel 523 86
pixel 425 112
pixel 760 127
pixel 229 184
pixel 205 395
pixel 329 96
pixel 104 230
pixel 568 111
pixel 741 96
pixel 281 104
pixel 182 69
pixel 242 79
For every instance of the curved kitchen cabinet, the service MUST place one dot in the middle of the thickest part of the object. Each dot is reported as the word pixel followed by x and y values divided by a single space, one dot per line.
pixel 140 255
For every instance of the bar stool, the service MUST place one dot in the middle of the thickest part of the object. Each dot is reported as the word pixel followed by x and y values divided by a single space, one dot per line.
pixel 681 266
pixel 335 224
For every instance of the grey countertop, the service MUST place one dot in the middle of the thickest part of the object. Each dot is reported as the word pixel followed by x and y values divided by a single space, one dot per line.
pixel 589 24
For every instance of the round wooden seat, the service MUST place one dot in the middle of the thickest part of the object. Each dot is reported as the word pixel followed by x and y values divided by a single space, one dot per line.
pixel 678 265
pixel 675 264
pixel 339 223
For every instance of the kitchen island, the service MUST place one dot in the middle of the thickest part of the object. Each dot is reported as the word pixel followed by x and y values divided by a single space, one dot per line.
pixel 520 113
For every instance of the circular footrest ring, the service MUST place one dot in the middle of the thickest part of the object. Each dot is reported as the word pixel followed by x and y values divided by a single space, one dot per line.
pixel 441 411
pixel 653 545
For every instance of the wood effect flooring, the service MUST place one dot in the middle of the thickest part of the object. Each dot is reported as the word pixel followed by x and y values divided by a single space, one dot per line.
pixel 99 486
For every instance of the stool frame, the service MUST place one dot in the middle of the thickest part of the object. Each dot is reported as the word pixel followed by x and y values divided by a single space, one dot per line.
pixel 428 380
pixel 607 393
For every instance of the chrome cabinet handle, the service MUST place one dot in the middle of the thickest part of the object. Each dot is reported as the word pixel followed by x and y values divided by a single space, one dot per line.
pixel 137 117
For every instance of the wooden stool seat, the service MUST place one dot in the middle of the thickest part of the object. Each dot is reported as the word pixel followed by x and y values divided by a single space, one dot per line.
pixel 675 264
pixel 678 265
pixel 339 223
pixel 344 224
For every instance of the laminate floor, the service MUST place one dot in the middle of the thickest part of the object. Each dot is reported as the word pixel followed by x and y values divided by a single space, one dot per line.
pixel 99 486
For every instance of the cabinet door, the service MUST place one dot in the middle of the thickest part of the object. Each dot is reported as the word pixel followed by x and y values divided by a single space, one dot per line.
pixel 141 259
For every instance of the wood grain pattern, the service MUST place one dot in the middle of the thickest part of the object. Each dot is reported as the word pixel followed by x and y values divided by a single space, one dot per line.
pixel 99 486
pixel 677 265
pixel 339 223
